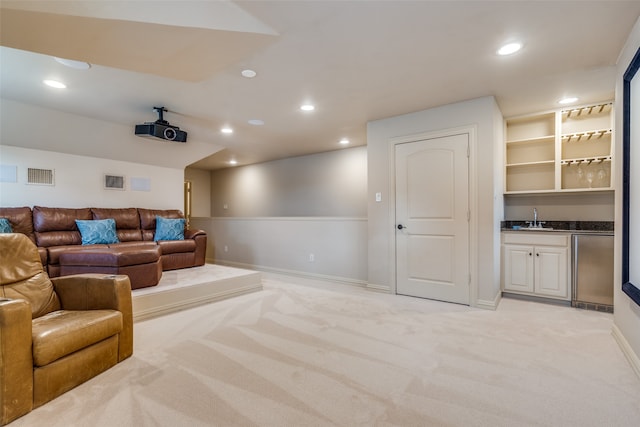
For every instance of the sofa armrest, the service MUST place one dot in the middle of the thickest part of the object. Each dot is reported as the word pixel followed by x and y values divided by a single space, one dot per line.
pixel 99 292
pixel 16 360
pixel 200 238
pixel 191 234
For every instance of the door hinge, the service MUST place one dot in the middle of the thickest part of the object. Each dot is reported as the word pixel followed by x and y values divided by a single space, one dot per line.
pixel 469 278
pixel 468 215
pixel 468 151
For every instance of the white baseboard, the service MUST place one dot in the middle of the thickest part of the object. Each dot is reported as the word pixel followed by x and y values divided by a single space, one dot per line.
pixel 489 305
pixel 379 288
pixel 295 273
pixel 631 356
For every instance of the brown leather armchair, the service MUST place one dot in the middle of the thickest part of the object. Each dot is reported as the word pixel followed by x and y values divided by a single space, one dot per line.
pixel 55 333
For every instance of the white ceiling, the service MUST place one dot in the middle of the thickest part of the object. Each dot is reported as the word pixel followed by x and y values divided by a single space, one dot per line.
pixel 357 61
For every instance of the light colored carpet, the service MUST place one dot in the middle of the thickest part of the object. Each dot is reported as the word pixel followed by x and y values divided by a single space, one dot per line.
pixel 296 355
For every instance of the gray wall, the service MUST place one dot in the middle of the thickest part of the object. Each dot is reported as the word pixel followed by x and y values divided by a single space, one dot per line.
pixel 315 247
pixel 303 215
pixel 596 206
pixel 327 184
pixel 200 191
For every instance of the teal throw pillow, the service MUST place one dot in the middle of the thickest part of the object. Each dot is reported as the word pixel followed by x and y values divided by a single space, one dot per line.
pixel 169 229
pixel 99 231
pixel 5 226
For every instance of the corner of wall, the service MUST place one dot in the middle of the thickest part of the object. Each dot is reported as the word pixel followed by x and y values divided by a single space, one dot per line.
pixel 626 348
pixel 626 318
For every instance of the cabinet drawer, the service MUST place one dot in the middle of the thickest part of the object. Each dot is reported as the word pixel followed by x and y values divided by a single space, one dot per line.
pixel 535 239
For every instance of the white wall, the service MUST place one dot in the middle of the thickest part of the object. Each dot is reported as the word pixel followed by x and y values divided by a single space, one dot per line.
pixel 482 114
pixel 30 126
pixel 79 182
pixel 626 312
pixel 81 150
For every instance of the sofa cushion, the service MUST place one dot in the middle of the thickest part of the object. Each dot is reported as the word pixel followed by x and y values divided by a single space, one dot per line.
pixel 125 218
pixel 127 221
pixel 58 238
pixel 57 226
pixel 134 244
pixel 5 226
pixel 112 257
pixel 97 231
pixel 62 332
pixel 56 251
pixel 148 220
pixel 57 219
pixel 177 246
pixel 169 229
pixel 21 220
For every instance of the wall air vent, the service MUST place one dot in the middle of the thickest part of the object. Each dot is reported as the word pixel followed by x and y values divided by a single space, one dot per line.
pixel 40 176
pixel 114 182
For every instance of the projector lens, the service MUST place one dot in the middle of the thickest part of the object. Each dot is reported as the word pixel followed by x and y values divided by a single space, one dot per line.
pixel 170 134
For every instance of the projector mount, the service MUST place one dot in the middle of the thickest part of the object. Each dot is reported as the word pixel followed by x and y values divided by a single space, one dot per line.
pixel 160 111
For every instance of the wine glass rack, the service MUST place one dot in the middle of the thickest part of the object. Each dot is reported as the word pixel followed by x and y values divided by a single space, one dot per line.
pixel 560 150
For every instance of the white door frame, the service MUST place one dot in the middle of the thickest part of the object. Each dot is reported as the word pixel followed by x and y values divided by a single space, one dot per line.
pixel 473 198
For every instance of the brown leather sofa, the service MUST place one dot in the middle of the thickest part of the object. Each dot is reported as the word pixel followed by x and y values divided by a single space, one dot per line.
pixel 55 333
pixel 54 231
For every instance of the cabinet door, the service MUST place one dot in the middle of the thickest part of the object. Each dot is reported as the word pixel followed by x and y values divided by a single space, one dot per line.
pixel 551 271
pixel 518 268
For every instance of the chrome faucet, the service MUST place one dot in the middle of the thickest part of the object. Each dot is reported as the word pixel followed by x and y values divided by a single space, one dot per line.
pixel 535 223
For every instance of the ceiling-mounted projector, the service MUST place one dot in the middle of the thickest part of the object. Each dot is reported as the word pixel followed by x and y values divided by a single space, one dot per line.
pixel 161 129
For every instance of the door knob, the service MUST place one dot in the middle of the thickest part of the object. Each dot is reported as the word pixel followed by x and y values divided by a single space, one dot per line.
pixel 400 226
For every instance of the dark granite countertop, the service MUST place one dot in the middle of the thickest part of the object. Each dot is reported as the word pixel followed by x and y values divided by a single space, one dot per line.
pixel 564 226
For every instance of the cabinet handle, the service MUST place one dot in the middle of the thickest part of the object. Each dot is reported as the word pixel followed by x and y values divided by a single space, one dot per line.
pixel 529 253
pixel 538 254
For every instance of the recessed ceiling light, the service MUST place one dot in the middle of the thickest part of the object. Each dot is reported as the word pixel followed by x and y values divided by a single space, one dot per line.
pixel 55 83
pixel 256 122
pixel 248 74
pixel 509 48
pixel 233 162
pixel 568 100
pixel 307 107
pixel 226 129
pixel 78 65
pixel 344 141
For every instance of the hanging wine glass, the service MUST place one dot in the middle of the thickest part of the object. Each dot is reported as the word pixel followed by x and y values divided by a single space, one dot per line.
pixel 602 174
pixel 580 173
pixel 590 176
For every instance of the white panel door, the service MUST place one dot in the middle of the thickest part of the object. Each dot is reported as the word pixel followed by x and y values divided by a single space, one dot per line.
pixel 432 216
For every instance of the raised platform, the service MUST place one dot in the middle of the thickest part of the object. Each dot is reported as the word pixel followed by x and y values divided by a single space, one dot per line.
pixel 188 287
